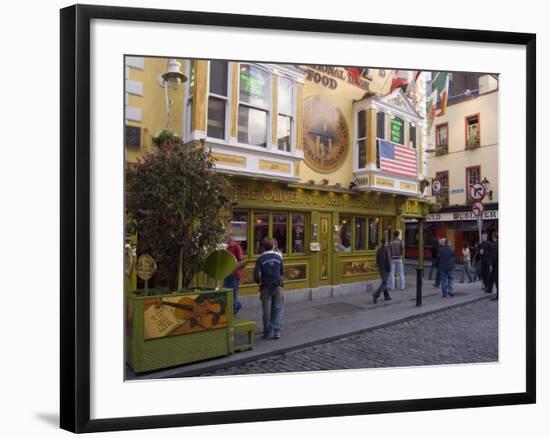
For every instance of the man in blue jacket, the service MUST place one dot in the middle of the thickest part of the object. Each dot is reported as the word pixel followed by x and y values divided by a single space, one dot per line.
pixel 268 273
pixel 446 267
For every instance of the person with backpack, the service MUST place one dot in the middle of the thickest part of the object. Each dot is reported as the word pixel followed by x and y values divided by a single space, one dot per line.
pixel 268 273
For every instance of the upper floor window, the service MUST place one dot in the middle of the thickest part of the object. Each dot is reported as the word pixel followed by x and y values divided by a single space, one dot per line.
pixel 472 132
pixel 412 135
pixel 443 178
pixel 285 99
pixel 442 138
pixel 217 99
pixel 473 175
pixel 381 125
pixel 362 139
pixel 254 98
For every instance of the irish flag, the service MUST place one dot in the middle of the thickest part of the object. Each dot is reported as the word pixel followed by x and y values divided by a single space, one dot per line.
pixel 431 104
pixel 440 83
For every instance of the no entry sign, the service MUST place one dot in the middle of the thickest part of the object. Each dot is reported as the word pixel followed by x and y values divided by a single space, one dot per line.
pixel 477 191
pixel 477 208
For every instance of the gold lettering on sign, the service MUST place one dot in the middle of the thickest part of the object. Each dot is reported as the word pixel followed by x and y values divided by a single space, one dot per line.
pixel 273 165
pixel 231 160
pixel 408 186
pixel 384 182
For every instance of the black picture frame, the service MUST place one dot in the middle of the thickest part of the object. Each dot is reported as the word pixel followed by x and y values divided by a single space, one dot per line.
pixel 75 217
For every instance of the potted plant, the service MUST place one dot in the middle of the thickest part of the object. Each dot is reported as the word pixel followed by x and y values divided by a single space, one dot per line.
pixel 473 142
pixel 177 201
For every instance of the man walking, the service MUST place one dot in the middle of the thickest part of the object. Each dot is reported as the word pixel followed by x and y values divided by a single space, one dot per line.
pixel 232 280
pixel 446 267
pixel 396 252
pixel 437 283
pixel 384 267
pixel 485 261
pixel 268 273
pixel 435 253
pixel 493 279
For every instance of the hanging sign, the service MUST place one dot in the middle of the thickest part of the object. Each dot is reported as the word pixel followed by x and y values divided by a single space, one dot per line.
pixel 146 267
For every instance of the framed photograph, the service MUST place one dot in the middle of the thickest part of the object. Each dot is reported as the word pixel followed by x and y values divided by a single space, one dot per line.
pixel 269 218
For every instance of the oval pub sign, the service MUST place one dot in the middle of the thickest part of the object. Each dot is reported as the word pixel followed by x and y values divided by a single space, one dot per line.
pixel 325 134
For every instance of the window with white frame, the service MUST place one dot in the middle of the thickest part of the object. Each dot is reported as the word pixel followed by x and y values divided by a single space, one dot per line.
pixel 217 99
pixel 285 99
pixel 254 105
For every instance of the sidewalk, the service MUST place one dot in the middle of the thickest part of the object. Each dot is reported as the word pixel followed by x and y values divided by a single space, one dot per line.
pixel 312 322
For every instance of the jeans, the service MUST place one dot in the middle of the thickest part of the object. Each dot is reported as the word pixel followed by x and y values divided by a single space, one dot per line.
pixel 232 282
pixel 272 307
pixel 466 271
pixel 446 282
pixel 383 286
pixel 397 264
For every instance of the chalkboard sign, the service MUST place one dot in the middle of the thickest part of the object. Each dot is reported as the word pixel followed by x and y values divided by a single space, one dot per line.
pixel 133 136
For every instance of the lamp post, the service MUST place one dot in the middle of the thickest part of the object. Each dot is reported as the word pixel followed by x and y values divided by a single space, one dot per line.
pixel 485 183
pixel 170 81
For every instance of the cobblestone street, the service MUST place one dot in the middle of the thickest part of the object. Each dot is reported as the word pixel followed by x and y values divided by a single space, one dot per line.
pixel 465 334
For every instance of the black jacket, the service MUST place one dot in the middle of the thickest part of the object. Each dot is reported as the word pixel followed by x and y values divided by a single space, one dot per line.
pixel 435 251
pixel 383 259
pixel 486 256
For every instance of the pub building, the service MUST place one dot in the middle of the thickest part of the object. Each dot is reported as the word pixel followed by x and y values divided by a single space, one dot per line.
pixel 312 157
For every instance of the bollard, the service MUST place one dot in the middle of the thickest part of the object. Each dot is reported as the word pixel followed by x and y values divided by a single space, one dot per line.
pixel 419 272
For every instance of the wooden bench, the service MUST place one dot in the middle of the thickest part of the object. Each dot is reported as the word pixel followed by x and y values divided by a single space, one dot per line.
pixel 244 326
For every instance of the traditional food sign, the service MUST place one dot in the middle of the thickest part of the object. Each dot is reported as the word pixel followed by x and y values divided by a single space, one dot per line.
pixel 325 134
pixel 328 76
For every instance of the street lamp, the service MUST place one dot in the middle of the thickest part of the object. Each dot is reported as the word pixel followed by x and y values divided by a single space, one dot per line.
pixel 485 183
pixel 170 81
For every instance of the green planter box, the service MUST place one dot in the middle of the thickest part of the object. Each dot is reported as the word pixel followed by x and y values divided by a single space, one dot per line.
pixel 178 328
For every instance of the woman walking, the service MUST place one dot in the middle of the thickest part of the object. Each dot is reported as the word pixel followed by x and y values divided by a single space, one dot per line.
pixel 466 263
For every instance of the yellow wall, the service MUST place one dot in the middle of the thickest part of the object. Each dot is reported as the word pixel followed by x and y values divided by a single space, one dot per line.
pixel 459 159
pixel 152 103
pixel 343 97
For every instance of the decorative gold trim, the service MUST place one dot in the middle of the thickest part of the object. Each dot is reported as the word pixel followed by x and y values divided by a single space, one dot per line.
pixel 274 165
pixel 408 186
pixel 299 115
pixel 234 98
pixel 385 182
pixel 231 160
pixel 371 136
pixel 199 100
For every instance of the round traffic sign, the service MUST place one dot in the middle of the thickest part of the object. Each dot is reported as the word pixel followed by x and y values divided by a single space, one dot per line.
pixel 477 208
pixel 436 187
pixel 477 191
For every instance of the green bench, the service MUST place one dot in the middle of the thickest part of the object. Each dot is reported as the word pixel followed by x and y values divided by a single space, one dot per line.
pixel 244 326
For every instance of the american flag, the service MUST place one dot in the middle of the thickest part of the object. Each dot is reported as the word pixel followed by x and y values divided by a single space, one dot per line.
pixel 397 159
